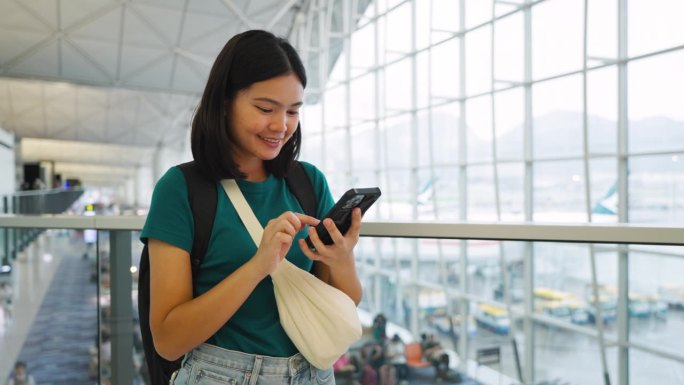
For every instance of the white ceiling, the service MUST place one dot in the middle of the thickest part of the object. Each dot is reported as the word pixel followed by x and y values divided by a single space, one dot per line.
pixel 124 76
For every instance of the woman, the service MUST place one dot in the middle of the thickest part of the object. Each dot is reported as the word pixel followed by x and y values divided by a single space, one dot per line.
pixel 247 128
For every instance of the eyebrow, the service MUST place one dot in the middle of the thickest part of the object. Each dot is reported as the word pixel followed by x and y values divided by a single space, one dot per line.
pixel 277 103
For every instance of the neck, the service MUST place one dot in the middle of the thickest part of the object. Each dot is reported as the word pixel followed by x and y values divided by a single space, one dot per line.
pixel 254 171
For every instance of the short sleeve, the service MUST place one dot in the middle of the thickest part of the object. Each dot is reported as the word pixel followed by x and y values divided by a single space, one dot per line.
pixel 170 217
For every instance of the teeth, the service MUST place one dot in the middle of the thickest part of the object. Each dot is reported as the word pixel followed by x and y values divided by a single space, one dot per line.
pixel 271 140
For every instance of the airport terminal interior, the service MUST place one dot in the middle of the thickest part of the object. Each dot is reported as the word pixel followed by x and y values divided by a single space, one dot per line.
pixel 530 155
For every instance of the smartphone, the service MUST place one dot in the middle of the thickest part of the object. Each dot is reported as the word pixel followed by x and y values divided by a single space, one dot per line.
pixel 340 213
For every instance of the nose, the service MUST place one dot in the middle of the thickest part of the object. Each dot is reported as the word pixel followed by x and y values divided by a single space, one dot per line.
pixel 278 122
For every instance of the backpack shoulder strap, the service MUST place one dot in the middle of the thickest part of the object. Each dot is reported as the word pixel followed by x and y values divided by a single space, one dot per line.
pixel 300 185
pixel 202 195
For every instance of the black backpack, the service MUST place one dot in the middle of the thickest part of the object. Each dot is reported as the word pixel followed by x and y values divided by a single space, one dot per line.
pixel 202 196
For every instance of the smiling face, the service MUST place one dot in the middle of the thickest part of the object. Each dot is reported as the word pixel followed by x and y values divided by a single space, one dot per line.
pixel 263 118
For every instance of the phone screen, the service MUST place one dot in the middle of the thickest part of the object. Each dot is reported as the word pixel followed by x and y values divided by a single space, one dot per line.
pixel 340 213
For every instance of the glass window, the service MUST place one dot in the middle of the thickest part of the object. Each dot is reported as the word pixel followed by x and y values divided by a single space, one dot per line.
pixel 648 368
pixel 563 283
pixel 446 184
pixel 557 125
pixel 602 38
pixel 559 192
pixel 399 39
pixel 481 204
pixel 556 37
pixel 335 105
pixel 423 25
pixel 654 25
pixel 337 161
pixel 556 357
pixel 479 128
pixel 312 118
pixel 362 49
pixel 445 17
pixel 425 140
pixel 602 111
pixel 363 148
pixel 362 103
pixel 509 49
pixel 397 136
pixel 338 58
pixel 399 197
pixel 444 69
pixel 477 12
pixel 312 149
pixel 423 79
pixel 656 91
pixel 398 86
pixel 445 133
pixel 478 57
pixel 656 292
pixel 655 185
pixel 510 120
pixel 512 191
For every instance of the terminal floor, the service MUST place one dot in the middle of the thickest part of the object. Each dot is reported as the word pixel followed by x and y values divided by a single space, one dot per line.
pixel 57 335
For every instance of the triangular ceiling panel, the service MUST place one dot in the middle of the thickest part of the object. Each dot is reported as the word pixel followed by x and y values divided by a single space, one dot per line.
pixel 39 63
pixel 91 128
pixel 81 66
pixel 200 25
pixel 26 96
pixel 15 16
pixel 210 48
pixel 15 43
pixel 139 59
pixel 156 75
pixel 186 77
pixel 211 7
pixel 45 11
pixel 103 53
pixel 58 90
pixel 90 100
pixel 105 27
pixel 74 12
pixel 94 58
pixel 165 21
pixel 139 32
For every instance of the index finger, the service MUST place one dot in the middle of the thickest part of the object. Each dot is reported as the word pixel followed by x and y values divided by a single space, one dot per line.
pixel 307 219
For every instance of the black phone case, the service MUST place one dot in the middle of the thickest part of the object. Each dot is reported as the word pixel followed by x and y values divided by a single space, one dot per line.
pixel 340 213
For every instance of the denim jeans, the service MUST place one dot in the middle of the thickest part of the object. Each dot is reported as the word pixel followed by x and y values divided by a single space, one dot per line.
pixel 211 365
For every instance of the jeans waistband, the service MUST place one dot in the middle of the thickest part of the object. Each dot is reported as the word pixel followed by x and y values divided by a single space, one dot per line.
pixel 286 366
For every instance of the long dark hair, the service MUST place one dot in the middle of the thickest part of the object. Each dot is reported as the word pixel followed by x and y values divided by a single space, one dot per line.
pixel 247 58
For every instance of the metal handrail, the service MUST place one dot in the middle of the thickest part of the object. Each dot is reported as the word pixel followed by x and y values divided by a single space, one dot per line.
pixel 616 233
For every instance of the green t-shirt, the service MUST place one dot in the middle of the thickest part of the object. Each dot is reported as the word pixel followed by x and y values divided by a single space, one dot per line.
pixel 255 328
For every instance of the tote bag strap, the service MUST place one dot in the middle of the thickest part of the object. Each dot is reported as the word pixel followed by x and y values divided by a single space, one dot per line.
pixel 256 231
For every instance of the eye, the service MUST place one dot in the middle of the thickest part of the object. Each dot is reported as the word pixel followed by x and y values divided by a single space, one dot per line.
pixel 293 113
pixel 262 109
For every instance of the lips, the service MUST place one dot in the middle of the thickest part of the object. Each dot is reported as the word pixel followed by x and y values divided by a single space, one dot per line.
pixel 271 142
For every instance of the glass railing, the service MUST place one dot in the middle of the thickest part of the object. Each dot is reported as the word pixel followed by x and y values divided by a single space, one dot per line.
pixel 512 303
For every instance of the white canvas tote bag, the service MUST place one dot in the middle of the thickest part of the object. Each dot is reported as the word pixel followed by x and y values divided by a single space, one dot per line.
pixel 321 320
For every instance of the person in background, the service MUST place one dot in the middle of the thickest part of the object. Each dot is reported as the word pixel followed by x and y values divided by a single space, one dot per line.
pixel 21 376
pixel 345 368
pixel 379 328
pixel 6 297
pixel 435 353
pixel 395 354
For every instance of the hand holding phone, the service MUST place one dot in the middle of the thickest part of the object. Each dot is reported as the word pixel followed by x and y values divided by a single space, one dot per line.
pixel 340 213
